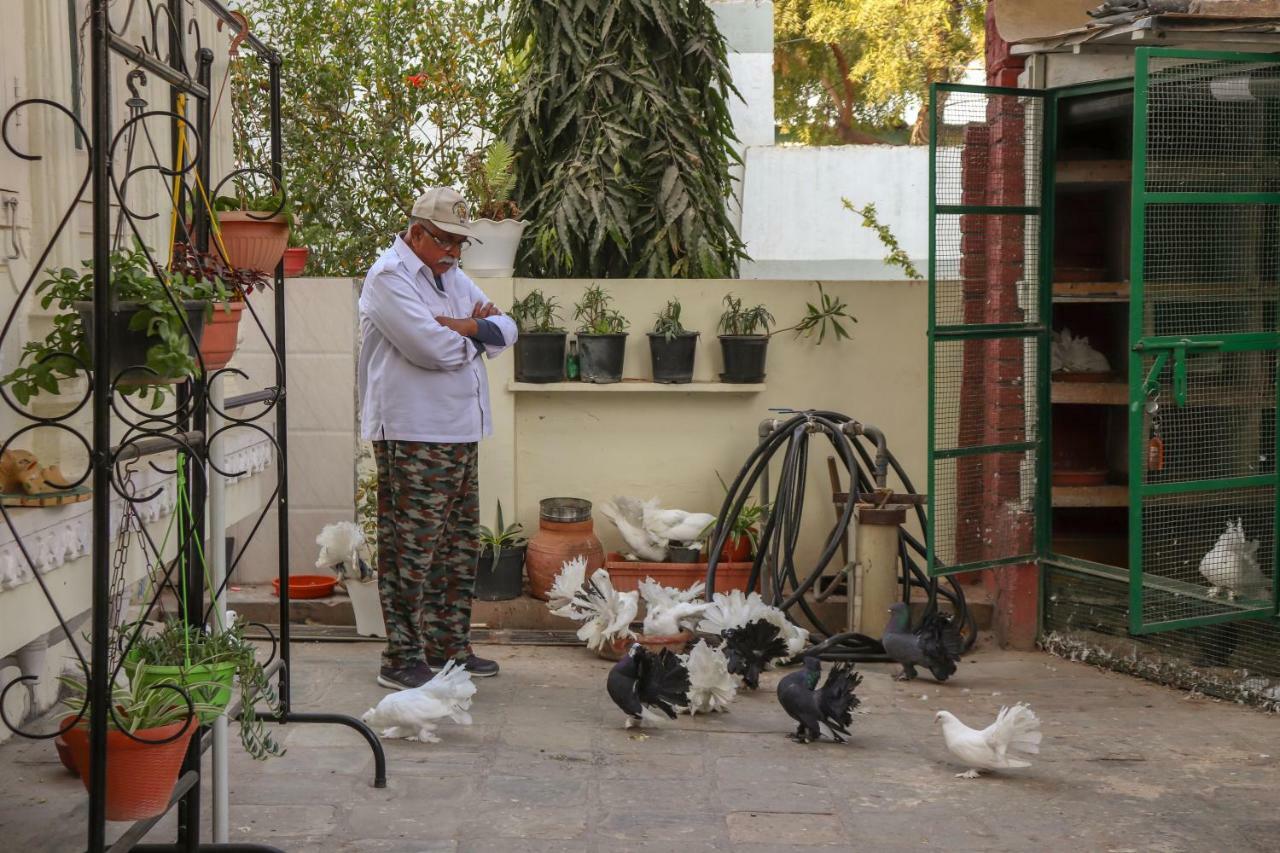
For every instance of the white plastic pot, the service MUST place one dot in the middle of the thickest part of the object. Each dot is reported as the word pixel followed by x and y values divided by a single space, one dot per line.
pixel 494 256
pixel 367 607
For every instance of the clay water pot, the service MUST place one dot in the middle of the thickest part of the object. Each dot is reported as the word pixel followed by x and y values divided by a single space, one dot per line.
pixel 565 531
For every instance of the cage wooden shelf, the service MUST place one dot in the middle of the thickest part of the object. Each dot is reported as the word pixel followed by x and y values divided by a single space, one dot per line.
pixel 634 386
pixel 1090 496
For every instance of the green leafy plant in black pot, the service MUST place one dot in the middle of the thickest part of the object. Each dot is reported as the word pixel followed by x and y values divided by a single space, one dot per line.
pixel 602 337
pixel 500 569
pixel 672 347
pixel 745 333
pixel 151 345
pixel 540 349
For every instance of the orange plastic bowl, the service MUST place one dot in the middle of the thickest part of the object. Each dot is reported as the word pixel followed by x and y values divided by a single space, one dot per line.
pixel 307 586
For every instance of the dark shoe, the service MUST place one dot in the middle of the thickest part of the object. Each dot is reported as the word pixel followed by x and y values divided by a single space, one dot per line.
pixel 478 667
pixel 406 677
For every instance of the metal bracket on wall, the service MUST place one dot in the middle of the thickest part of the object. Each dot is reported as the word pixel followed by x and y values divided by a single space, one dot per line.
pixel 11 216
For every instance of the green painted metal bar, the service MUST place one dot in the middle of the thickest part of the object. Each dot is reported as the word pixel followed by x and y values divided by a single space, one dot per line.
pixel 982 90
pixel 1043 499
pixel 1137 421
pixel 1080 566
pixel 979 565
pixel 1212 198
pixel 983 450
pixel 990 330
pixel 1259 59
pixel 1241 342
pixel 1199 621
pixel 1075 90
pixel 987 209
pixel 930 543
pixel 1257 481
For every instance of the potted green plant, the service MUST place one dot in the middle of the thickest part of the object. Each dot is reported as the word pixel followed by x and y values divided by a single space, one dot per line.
pixel 297 253
pixel 602 337
pixel 151 344
pixel 253 229
pixel 490 178
pixel 221 329
pixel 744 536
pixel 745 333
pixel 540 348
pixel 147 739
pixel 208 665
pixel 500 568
pixel 672 347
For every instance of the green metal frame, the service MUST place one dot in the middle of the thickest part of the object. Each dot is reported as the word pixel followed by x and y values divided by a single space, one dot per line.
pixel 1038 331
pixel 1171 354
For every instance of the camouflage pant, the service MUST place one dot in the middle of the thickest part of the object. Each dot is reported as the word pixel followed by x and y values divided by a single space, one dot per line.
pixel 428 512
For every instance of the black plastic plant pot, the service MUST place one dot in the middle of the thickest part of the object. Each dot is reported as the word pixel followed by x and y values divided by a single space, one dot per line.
pixel 676 554
pixel 744 358
pixel 540 356
pixel 503 581
pixel 600 357
pixel 673 359
pixel 128 354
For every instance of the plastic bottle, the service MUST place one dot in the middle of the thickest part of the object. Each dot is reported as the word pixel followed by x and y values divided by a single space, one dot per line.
pixel 571 363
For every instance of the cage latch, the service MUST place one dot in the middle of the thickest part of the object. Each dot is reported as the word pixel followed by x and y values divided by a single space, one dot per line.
pixel 1164 349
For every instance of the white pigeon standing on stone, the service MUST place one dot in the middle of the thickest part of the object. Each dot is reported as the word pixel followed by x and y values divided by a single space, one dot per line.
pixel 1016 731
pixel 668 611
pixel 412 714
pixel 1232 565
pixel 711 686
pixel 567 584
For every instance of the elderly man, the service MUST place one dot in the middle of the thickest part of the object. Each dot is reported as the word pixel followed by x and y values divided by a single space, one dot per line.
pixel 425 404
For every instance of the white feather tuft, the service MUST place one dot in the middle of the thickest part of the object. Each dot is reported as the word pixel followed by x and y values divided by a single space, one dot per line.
pixel 711 686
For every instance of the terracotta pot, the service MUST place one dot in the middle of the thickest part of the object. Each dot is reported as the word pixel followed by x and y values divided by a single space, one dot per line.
pixel 627 574
pixel 218 342
pixel 736 549
pixel 562 535
pixel 616 649
pixel 64 754
pixel 676 642
pixel 140 776
pixel 295 260
pixel 253 243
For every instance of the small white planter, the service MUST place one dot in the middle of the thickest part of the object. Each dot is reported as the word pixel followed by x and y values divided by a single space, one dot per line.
pixel 495 255
pixel 367 607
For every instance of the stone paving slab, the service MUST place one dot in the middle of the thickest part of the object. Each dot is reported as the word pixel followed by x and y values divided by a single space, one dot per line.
pixel 548 767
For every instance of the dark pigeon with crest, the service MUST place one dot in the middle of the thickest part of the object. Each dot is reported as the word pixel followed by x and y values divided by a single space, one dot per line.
pixel 811 706
pixel 936 644
pixel 751 648
pixel 642 682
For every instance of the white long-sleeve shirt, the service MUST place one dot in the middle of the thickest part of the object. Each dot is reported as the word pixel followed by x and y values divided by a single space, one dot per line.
pixel 419 380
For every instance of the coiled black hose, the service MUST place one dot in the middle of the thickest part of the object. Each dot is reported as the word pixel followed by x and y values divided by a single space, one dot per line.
pixel 781 535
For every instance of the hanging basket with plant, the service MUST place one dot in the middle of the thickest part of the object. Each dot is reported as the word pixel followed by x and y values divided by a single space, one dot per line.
pixel 254 230
pixel 221 332
pixel 540 347
pixel 490 178
pixel 602 337
pixel 672 347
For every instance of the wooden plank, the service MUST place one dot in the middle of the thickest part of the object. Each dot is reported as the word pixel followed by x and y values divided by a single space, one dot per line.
pixel 634 386
pixel 1090 393
pixel 1093 171
pixel 1091 496
pixel 1090 291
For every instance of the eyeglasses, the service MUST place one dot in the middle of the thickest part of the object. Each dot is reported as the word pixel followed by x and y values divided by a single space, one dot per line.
pixel 449 244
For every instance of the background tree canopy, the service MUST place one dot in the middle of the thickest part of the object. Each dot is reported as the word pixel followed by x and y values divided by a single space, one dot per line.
pixel 381 99
pixel 847 70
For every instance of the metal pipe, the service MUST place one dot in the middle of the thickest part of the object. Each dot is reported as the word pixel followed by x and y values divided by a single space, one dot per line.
pixel 158 67
pixel 133 450
pixel 99 688
pixel 266 395
pixel 220 818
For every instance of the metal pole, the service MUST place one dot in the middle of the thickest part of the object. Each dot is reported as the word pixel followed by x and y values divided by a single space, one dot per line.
pixel 282 419
pixel 99 687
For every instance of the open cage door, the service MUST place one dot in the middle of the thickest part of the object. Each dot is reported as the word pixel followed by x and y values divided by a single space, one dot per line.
pixel 1205 271
pixel 988 343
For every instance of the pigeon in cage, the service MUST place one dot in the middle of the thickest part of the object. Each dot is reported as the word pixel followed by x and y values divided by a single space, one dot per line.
pixel 814 707
pixel 643 683
pixel 711 686
pixel 1071 354
pixel 1231 565
pixel 412 714
pixel 668 611
pixel 1016 731
pixel 936 644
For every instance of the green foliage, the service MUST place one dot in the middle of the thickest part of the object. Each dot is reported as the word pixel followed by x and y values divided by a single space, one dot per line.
pixel 824 316
pixel 536 313
pixel 501 535
pixel 621 126
pixel 64 353
pixel 668 322
pixel 383 98
pixel 188 647
pixel 897 256
pixel 490 179
pixel 137 710
pixel 745 523
pixel 597 314
pixel 846 67
pixel 737 320
pixel 367 513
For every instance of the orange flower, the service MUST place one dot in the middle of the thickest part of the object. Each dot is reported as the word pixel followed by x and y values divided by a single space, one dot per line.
pixel 417 81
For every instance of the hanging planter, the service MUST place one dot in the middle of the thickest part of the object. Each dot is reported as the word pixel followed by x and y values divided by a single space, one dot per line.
pixel 140 776
pixel 540 348
pixel 131 349
pixel 209 684
pixel 221 333
pixel 253 240
pixel 295 260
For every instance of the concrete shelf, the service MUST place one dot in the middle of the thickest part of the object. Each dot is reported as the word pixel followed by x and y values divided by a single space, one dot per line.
pixel 633 386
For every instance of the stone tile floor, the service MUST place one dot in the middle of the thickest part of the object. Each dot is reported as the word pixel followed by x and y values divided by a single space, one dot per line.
pixel 1127 766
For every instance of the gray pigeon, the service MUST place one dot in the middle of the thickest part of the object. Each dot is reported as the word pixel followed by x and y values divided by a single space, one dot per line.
pixel 812 707
pixel 936 644
pixel 642 682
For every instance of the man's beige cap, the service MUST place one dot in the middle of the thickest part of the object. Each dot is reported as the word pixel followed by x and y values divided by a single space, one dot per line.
pixel 446 209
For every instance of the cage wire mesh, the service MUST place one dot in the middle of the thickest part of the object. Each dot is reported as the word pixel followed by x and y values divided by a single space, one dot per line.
pixel 1086 618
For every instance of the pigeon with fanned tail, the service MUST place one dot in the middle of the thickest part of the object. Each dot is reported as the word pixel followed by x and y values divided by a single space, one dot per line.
pixel 643 683
pixel 753 648
pixel 936 644
pixel 1016 731
pixel 606 614
pixel 668 611
pixel 813 707
pixel 412 714
pixel 736 609
pixel 568 583
pixel 711 686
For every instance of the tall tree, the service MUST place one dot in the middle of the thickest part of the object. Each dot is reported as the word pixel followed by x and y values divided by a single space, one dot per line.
pixel 849 68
